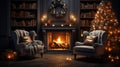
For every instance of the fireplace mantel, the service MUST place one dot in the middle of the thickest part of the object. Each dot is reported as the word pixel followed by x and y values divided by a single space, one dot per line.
pixel 58 28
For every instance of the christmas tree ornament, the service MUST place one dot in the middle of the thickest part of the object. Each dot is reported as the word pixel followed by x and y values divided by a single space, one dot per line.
pixel 105 19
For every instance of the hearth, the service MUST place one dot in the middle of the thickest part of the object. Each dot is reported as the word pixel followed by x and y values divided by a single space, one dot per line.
pixel 58 38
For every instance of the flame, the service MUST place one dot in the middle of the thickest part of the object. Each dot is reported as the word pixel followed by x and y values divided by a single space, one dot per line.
pixel 9 56
pixel 58 40
pixel 112 60
pixel 68 58
pixel 110 56
pixel 117 57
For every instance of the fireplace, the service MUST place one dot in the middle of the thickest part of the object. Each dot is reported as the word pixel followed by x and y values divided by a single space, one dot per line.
pixel 58 40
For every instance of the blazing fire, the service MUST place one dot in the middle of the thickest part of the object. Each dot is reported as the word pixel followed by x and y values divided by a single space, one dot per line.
pixel 58 41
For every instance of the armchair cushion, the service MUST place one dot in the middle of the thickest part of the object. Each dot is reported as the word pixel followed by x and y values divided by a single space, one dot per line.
pixel 78 43
pixel 26 39
pixel 90 40
pixel 84 48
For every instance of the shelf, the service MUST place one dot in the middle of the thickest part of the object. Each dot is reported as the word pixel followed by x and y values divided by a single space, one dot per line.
pixel 90 0
pixel 24 0
pixel 24 14
pixel 56 28
pixel 85 27
pixel 24 18
pixel 86 9
pixel 24 9
pixel 22 26
pixel 86 17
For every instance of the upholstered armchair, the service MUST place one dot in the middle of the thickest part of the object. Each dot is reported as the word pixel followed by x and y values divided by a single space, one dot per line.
pixel 25 43
pixel 93 45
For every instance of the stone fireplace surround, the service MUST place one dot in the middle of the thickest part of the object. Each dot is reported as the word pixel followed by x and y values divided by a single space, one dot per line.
pixel 46 29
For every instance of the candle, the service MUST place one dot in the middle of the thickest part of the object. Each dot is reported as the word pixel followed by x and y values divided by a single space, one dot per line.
pixel 68 58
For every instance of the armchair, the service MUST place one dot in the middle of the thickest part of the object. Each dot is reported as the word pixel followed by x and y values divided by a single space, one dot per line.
pixel 97 47
pixel 25 43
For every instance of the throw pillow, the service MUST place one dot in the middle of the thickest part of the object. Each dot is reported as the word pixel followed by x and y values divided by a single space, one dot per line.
pixel 89 40
pixel 26 39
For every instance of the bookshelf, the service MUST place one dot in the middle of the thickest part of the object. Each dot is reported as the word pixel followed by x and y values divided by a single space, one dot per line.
pixel 88 9
pixel 23 14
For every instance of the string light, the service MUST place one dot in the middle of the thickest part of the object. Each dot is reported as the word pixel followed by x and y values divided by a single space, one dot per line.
pixel 105 19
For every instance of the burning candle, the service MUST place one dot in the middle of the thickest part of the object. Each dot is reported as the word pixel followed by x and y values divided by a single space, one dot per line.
pixel 117 57
pixel 70 25
pixel 110 56
pixel 10 56
pixel 45 24
pixel 68 58
pixel 112 60
pixel 81 35
pixel 53 25
pixel 62 25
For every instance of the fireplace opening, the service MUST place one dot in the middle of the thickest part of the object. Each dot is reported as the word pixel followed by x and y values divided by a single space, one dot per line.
pixel 58 40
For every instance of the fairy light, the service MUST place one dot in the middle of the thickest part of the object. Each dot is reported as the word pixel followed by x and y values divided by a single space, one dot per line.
pixel 105 19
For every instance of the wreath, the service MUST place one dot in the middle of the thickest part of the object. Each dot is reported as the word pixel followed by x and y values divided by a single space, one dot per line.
pixel 57 8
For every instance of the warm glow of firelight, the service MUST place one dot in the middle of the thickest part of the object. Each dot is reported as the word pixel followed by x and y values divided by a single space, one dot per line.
pixel 59 41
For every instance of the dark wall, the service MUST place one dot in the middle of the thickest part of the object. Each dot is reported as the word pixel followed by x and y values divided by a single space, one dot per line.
pixel 4 24
pixel 116 8
pixel 72 7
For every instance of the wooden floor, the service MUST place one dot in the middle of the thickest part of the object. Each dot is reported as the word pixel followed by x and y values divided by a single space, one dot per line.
pixel 57 60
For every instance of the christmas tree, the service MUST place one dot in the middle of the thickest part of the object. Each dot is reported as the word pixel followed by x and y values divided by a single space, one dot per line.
pixel 105 19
